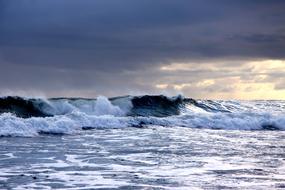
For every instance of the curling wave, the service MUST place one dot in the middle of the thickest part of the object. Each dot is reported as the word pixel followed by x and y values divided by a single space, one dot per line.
pixel 30 117
pixel 158 106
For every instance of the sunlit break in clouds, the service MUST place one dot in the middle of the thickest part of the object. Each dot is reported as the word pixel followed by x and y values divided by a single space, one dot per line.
pixel 262 79
pixel 198 48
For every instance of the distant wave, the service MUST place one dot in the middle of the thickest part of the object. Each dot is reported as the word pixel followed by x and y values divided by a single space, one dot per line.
pixel 158 106
pixel 21 116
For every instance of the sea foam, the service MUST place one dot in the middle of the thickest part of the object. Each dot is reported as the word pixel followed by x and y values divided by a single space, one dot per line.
pixel 69 116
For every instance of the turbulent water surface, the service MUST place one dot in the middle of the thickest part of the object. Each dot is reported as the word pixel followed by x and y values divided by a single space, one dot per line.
pixel 146 142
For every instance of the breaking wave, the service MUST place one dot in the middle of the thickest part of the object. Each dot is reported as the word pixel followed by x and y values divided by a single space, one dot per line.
pixel 31 117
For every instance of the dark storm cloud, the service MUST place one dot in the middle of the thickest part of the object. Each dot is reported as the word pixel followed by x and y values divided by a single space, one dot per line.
pixel 94 43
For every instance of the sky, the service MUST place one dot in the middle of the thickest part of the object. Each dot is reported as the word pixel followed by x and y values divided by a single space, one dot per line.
pixel 206 49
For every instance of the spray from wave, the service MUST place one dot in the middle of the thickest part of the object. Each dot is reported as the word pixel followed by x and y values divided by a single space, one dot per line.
pixel 30 117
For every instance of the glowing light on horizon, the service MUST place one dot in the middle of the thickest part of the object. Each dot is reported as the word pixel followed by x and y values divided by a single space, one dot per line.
pixel 248 80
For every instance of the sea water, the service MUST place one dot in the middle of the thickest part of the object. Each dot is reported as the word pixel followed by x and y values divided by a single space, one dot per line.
pixel 148 142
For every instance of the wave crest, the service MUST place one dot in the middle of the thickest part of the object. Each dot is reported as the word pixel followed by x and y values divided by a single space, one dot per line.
pixel 31 117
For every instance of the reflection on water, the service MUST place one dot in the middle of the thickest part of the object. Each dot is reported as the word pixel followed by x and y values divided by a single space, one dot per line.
pixel 154 157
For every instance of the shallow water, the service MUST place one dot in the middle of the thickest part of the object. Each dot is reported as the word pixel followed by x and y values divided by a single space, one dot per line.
pixel 145 158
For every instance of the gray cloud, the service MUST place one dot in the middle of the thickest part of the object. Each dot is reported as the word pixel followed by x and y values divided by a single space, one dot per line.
pixel 280 85
pixel 88 45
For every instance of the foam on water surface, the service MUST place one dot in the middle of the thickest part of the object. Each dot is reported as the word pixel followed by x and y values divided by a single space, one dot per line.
pixel 149 158
pixel 31 117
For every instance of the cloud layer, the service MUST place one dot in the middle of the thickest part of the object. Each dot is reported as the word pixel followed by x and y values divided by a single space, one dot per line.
pixel 86 48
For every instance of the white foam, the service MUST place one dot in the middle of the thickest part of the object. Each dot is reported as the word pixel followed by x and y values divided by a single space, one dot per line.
pixel 100 106
pixel 11 125
pixel 72 115
pixel 104 107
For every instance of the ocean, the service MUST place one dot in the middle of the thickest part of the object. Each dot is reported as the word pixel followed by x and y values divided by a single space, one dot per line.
pixel 141 142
